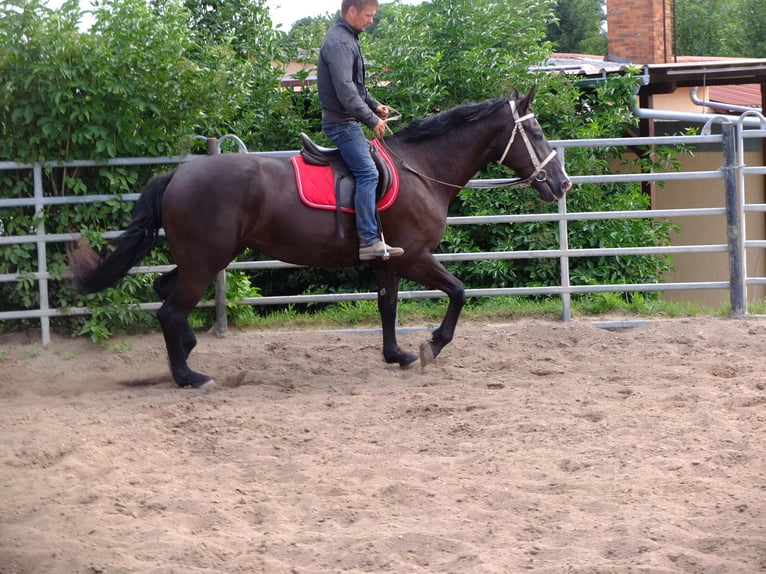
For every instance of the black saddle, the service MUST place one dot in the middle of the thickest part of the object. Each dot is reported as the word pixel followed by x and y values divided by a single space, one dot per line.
pixel 344 182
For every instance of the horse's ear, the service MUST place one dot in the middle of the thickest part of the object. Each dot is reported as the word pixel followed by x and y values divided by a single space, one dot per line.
pixel 526 101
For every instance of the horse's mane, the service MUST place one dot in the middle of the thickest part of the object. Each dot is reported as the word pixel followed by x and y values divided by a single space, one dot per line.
pixel 436 125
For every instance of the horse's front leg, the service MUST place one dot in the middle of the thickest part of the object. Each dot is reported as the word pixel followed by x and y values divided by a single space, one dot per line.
pixel 432 274
pixel 388 293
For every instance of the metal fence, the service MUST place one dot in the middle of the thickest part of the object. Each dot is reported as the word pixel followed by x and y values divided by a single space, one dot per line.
pixel 731 174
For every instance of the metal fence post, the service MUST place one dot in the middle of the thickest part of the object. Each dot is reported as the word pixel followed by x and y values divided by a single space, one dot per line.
pixel 566 295
pixel 221 319
pixel 42 254
pixel 734 223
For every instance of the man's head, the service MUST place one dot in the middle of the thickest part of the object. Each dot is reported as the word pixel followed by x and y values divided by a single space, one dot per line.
pixel 359 13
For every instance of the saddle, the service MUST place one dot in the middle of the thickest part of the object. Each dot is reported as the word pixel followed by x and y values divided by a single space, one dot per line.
pixel 344 183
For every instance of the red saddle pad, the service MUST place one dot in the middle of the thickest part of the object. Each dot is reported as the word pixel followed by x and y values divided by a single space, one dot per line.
pixel 316 186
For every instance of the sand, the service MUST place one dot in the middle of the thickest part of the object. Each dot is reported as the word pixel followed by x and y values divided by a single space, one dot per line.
pixel 533 446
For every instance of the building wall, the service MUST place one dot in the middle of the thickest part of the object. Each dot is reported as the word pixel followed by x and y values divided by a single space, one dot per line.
pixel 679 101
pixel 711 229
pixel 640 31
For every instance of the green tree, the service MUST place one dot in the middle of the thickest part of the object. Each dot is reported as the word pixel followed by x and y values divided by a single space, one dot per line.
pixel 430 57
pixel 309 32
pixel 734 28
pixel 125 87
pixel 146 76
pixel 244 25
pixel 138 83
pixel 441 53
pixel 236 41
pixel 698 33
pixel 480 50
pixel 748 32
pixel 578 27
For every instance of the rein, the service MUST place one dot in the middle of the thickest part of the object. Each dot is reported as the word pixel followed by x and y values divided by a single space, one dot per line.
pixel 411 169
pixel 539 174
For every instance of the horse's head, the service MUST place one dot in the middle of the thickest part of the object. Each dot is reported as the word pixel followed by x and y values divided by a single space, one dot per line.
pixel 529 154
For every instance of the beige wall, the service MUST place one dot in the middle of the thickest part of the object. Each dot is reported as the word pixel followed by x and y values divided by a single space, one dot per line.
pixel 679 101
pixel 711 230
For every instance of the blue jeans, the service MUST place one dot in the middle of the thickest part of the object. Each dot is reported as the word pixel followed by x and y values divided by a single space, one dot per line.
pixel 355 151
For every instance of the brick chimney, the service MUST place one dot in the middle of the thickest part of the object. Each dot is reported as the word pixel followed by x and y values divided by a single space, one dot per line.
pixel 640 31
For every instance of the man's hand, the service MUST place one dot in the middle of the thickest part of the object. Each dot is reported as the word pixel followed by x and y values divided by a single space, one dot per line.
pixel 380 129
pixel 382 111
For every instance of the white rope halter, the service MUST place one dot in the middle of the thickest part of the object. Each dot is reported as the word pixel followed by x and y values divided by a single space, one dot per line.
pixel 518 127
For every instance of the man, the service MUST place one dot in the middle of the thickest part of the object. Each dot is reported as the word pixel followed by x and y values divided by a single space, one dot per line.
pixel 346 105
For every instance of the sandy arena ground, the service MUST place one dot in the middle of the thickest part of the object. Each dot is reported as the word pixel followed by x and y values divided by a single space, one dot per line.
pixel 534 446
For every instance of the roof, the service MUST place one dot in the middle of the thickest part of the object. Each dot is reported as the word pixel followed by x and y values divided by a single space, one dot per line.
pixel 748 95
pixel 696 72
pixel 733 81
pixel 723 76
pixel 580 64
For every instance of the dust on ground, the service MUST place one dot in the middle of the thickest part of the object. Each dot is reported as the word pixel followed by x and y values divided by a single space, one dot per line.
pixel 533 446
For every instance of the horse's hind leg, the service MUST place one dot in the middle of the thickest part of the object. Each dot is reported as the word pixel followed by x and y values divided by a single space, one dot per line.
pixel 178 334
pixel 164 286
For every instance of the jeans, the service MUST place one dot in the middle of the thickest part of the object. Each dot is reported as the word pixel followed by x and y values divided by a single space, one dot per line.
pixel 355 151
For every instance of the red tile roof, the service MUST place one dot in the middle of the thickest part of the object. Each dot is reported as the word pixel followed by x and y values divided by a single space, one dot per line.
pixel 741 95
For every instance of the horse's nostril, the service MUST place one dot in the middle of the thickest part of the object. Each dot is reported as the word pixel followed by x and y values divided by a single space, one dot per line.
pixel 566 186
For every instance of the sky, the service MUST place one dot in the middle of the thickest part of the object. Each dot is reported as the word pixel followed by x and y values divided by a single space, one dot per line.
pixel 285 12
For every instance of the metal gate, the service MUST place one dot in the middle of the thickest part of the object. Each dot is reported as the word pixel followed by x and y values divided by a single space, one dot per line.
pixel 731 174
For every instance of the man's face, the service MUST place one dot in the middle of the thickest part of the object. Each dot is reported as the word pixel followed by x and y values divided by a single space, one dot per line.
pixel 360 18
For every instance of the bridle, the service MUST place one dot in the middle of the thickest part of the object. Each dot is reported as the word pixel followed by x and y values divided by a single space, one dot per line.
pixel 518 128
pixel 538 175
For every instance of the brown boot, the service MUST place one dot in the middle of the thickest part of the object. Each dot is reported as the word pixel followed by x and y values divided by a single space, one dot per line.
pixel 379 249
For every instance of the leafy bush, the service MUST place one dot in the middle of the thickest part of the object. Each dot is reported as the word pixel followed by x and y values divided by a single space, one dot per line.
pixel 147 76
pixel 138 83
pixel 433 56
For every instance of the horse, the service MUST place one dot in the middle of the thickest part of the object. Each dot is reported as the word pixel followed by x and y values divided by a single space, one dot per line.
pixel 213 208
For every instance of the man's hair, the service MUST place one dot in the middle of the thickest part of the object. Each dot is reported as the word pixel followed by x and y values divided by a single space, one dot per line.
pixel 358 4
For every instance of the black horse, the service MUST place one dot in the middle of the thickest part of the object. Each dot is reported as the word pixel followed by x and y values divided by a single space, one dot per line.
pixel 214 208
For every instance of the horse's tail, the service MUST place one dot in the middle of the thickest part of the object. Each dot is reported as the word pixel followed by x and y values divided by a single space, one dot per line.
pixel 94 272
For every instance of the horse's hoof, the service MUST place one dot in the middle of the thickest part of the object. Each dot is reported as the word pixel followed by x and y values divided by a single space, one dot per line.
pixel 207 386
pixel 408 361
pixel 426 354
pixel 202 384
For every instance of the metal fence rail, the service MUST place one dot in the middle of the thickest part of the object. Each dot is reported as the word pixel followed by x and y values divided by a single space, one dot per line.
pixel 732 175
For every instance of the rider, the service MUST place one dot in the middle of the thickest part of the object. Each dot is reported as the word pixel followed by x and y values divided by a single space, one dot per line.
pixel 346 105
